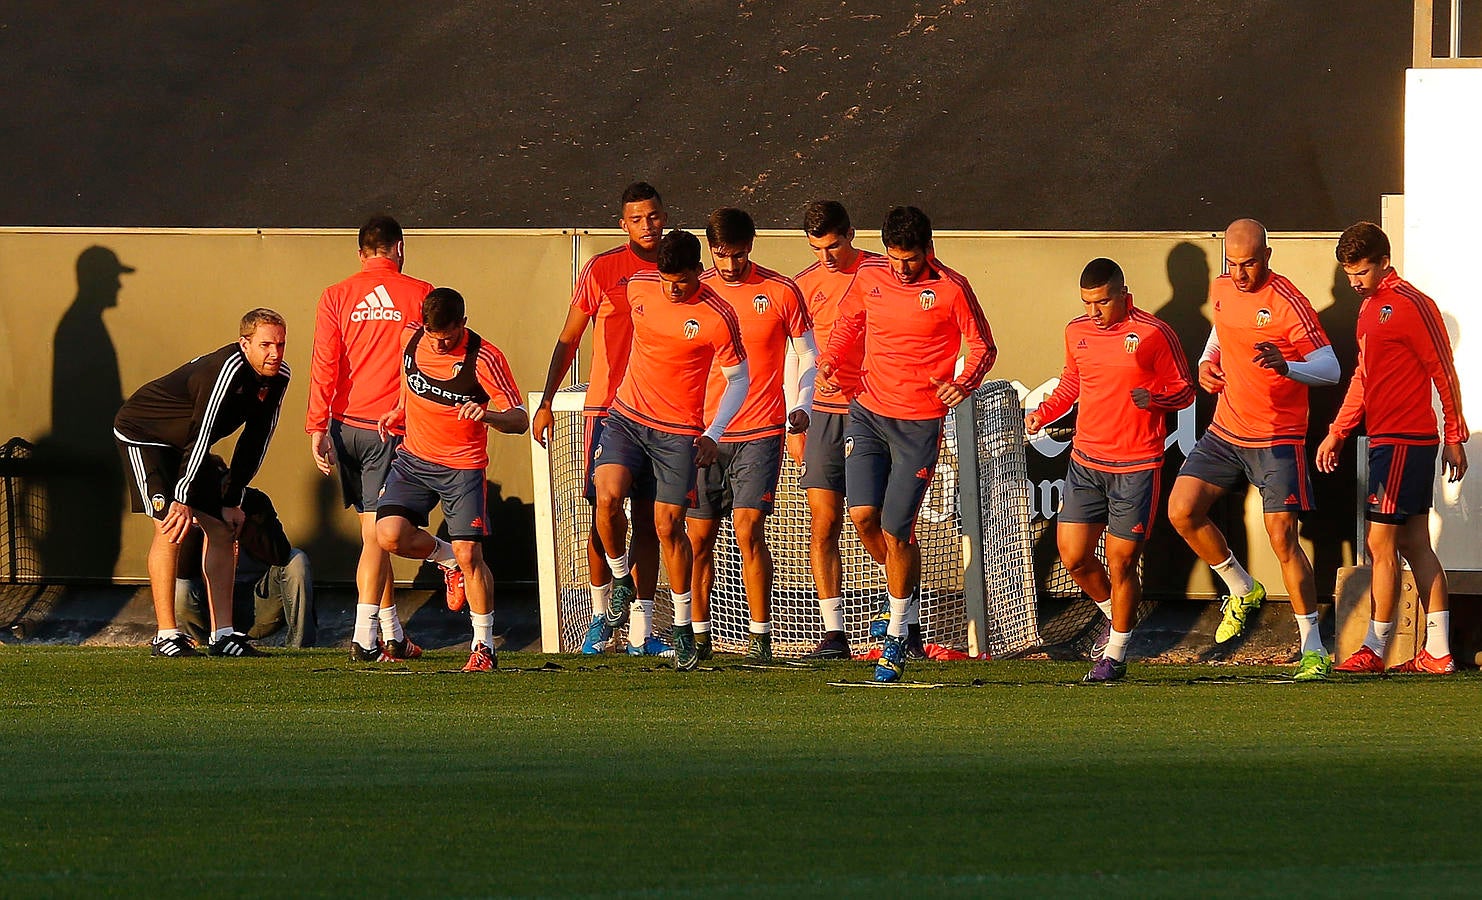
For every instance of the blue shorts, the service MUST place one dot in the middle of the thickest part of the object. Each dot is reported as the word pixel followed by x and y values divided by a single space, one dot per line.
pixel 1402 479
pixel 743 476
pixel 1125 502
pixel 660 461
pixel 889 464
pixel 415 486
pixel 823 452
pixel 1279 472
pixel 364 462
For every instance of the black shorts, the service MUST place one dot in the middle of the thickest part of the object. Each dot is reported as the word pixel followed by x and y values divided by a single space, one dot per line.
pixel 823 452
pixel 660 461
pixel 1279 472
pixel 743 476
pixel 1402 479
pixel 154 472
pixel 364 462
pixel 1125 502
pixel 415 486
pixel 889 464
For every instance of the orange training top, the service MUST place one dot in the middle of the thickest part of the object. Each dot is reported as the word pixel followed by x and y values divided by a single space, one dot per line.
pixel 770 310
pixel 1102 366
pixel 823 292
pixel 602 293
pixel 1258 407
pixel 911 334
pixel 355 373
pixel 673 346
pixel 437 384
pixel 1403 350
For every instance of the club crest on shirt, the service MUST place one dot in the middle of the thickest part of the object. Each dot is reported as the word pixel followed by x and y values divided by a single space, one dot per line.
pixel 1263 317
pixel 760 303
pixel 848 446
pixel 691 328
pixel 928 298
pixel 457 367
pixel 262 394
pixel 597 452
pixel 1385 312
pixel 157 502
pixel 1130 343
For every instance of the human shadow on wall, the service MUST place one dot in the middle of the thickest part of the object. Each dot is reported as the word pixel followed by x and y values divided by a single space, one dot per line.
pixel 1332 526
pixel 78 466
pixel 1168 563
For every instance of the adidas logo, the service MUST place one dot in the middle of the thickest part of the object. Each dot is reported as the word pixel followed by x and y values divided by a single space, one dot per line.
pixel 1291 500
pixel 1373 499
pixel 376 307
pixel 1081 345
pixel 1137 529
pixel 924 473
pixel 874 292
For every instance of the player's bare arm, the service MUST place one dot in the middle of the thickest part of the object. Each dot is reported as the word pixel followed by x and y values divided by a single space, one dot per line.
pixel 507 421
pixel 565 351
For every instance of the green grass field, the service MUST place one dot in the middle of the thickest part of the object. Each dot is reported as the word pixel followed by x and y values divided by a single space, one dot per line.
pixel 307 775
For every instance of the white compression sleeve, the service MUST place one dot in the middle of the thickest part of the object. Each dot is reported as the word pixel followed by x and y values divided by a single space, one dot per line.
pixel 807 350
pixel 737 382
pixel 1212 348
pixel 1318 369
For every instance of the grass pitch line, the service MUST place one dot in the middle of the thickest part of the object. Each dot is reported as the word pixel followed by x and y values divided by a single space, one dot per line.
pixel 908 685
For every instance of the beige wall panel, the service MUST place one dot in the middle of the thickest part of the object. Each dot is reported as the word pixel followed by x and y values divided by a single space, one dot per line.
pixel 189 289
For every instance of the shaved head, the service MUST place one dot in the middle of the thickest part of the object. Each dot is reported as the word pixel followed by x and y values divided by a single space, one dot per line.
pixel 1247 236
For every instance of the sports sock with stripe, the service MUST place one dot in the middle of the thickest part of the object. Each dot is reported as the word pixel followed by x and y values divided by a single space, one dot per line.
pixel 367 624
pixel 1116 645
pixel 601 594
pixel 1437 633
pixel 483 630
pixel 442 553
pixel 682 606
pixel 1311 635
pixel 832 610
pixel 618 565
pixel 898 627
pixel 1235 577
pixel 640 621
pixel 1377 639
pixel 391 628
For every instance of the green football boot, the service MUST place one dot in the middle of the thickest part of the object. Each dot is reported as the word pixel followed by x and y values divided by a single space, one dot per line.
pixel 685 657
pixel 1314 666
pixel 1237 612
pixel 704 649
pixel 759 647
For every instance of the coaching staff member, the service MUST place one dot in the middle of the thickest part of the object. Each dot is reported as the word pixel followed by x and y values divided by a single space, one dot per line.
pixel 165 432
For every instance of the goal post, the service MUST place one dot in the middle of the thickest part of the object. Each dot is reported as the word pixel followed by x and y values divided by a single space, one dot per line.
pixel 974 529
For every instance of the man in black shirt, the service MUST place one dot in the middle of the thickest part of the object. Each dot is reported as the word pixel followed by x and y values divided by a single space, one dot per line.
pixel 165 432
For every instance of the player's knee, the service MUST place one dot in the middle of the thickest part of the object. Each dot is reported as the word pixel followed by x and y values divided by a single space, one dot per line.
pixel 669 525
pixel 865 518
pixel 468 554
pixel 1121 567
pixel 1282 530
pixel 388 535
pixel 1181 514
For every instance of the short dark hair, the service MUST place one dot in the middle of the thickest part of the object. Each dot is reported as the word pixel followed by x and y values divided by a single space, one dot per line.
pixel 1100 272
pixel 261 316
pixel 823 217
pixel 679 252
pixel 1362 242
pixel 730 227
pixel 442 309
pixel 906 228
pixel 639 191
pixel 380 233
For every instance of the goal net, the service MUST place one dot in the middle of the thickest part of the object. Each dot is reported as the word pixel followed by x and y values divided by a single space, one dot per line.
pixel 977 558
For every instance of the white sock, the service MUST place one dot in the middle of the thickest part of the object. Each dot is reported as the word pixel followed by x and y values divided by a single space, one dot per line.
pixel 1438 633
pixel 220 633
pixel 367 625
pixel 619 566
pixel 832 610
pixel 760 628
pixel 483 630
pixel 391 628
pixel 1116 645
pixel 640 620
pixel 898 627
pixel 164 634
pixel 701 627
pixel 1236 578
pixel 601 594
pixel 913 608
pixel 1378 637
pixel 1104 606
pixel 1311 636
pixel 442 554
pixel 681 608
